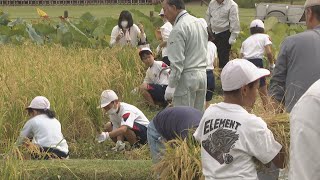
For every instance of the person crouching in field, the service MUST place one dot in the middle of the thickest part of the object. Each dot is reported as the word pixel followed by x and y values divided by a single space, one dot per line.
pixel 156 80
pixel 253 49
pixel 44 130
pixel 126 122
pixel 171 123
pixel 229 134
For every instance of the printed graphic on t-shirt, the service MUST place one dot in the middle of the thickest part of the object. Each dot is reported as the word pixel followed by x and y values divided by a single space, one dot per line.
pixel 219 143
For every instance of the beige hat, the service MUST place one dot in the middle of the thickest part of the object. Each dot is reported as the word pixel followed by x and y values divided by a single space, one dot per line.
pixel 240 72
pixel 257 23
pixel 39 102
pixel 107 96
pixel 310 3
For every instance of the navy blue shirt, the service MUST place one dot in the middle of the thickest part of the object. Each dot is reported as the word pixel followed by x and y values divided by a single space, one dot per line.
pixel 175 121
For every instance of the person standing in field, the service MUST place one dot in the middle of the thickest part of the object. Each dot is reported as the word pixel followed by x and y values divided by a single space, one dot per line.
pixel 229 134
pixel 165 31
pixel 211 57
pixel 156 80
pixel 126 32
pixel 127 122
pixel 44 130
pixel 304 135
pixel 171 123
pixel 254 48
pixel 298 63
pixel 187 50
pixel 222 17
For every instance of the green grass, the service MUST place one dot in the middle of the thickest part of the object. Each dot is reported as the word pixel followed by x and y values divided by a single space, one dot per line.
pixel 113 11
pixel 85 169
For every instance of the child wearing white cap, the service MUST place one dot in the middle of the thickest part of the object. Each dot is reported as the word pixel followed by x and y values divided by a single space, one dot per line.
pixel 254 48
pixel 165 31
pixel 156 80
pixel 44 130
pixel 127 122
pixel 229 134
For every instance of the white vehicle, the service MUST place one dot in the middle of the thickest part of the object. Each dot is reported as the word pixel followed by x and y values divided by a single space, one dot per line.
pixel 285 13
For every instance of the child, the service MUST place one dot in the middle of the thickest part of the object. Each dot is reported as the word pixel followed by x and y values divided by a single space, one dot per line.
pixel 211 56
pixel 229 134
pixel 44 130
pixel 253 49
pixel 165 31
pixel 156 81
pixel 126 122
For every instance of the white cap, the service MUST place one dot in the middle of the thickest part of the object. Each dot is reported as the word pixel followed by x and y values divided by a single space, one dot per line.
pixel 39 102
pixel 161 12
pixel 107 96
pixel 240 72
pixel 310 3
pixel 145 49
pixel 257 23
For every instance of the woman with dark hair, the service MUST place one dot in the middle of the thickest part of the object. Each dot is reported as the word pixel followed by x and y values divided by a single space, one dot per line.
pixel 126 32
pixel 254 48
pixel 44 130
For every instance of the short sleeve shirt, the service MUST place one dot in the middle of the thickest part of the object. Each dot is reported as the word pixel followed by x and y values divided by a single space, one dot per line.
pixel 254 46
pixel 211 55
pixel 230 137
pixel 165 32
pixel 127 116
pixel 158 73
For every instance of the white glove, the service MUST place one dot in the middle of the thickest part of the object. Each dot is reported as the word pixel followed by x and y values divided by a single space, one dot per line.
pixel 135 91
pixel 119 146
pixel 158 49
pixel 271 67
pixel 102 137
pixel 232 40
pixel 169 93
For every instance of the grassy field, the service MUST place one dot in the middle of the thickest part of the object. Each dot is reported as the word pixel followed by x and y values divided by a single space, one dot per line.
pixel 72 79
pixel 29 12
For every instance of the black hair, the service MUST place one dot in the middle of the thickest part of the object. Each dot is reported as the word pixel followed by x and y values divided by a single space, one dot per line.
pixel 179 4
pixel 255 30
pixel 143 53
pixel 51 114
pixel 316 11
pixel 238 90
pixel 125 15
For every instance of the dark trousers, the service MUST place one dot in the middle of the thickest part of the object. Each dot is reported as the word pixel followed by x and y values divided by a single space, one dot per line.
pixel 221 40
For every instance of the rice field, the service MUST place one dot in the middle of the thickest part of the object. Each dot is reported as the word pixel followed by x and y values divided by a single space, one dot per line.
pixel 72 79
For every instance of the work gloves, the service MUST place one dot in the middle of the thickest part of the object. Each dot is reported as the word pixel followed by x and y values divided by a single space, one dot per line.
pixel 102 137
pixel 168 96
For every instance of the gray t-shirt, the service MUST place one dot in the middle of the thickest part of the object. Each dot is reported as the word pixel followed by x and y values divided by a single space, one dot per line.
pixel 175 121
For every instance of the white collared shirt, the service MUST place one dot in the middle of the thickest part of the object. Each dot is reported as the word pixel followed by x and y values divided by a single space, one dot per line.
pixel 127 116
pixel 223 17
pixel 211 55
pixel 158 73
pixel 230 137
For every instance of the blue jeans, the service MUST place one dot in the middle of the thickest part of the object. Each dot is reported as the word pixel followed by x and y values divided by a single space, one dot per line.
pixel 155 143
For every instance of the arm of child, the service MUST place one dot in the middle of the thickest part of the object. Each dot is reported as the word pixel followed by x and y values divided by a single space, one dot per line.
pixel 269 54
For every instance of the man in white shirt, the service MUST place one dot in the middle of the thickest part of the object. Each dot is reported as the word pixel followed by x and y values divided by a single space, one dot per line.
pixel 304 136
pixel 222 17
pixel 156 80
pixel 127 122
pixel 187 50
pixel 229 134
pixel 165 31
